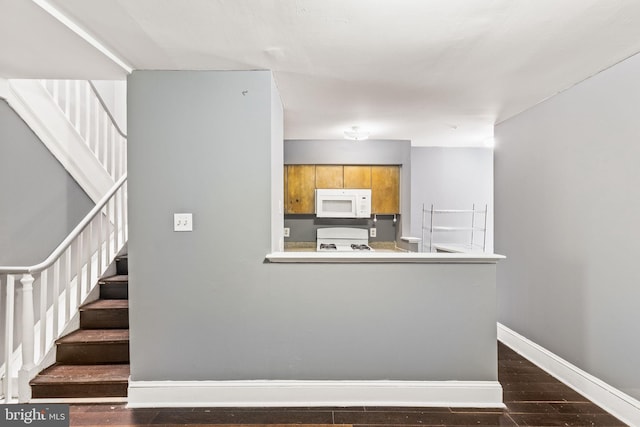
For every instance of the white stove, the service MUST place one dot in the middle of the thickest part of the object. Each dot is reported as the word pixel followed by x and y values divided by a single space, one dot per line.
pixel 342 239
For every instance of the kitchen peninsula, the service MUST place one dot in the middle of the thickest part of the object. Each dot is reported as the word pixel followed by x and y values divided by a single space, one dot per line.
pixel 409 328
pixel 250 326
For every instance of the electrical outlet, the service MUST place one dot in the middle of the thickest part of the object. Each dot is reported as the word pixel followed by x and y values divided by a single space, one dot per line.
pixel 372 232
pixel 183 222
pixel 286 231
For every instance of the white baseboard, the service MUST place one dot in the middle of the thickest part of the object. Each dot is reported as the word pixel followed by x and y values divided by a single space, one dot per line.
pixel 619 404
pixel 478 394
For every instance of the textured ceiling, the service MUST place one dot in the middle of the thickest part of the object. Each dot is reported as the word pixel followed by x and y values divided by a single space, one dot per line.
pixel 437 72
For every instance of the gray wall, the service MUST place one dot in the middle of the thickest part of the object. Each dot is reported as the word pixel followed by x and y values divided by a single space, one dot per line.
pixel 452 178
pixel 205 306
pixel 41 203
pixel 345 152
pixel 567 217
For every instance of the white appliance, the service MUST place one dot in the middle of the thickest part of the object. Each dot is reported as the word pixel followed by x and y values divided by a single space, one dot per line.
pixel 342 239
pixel 343 203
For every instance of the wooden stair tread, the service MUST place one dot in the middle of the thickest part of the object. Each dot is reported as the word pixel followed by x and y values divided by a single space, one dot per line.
pixel 83 374
pixel 118 278
pixel 95 336
pixel 106 304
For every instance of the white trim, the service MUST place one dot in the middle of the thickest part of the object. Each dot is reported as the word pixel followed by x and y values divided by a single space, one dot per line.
pixel 275 393
pixel 614 401
pixel 34 105
pixel 73 26
pixel 4 89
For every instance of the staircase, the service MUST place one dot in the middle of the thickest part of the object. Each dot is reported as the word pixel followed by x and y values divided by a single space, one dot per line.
pixel 93 361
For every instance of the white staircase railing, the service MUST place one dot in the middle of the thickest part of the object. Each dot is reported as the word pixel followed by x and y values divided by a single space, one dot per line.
pixel 84 108
pixel 58 286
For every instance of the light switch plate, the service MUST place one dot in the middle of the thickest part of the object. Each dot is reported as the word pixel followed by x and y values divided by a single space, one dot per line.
pixel 182 222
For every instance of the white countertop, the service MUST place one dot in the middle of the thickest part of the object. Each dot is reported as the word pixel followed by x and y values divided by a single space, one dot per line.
pixel 456 248
pixel 384 257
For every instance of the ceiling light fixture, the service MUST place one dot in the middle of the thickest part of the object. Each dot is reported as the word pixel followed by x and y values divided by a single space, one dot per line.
pixel 356 134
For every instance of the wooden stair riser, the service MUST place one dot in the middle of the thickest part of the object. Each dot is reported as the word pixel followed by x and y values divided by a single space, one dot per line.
pixel 104 319
pixel 114 290
pixel 92 353
pixel 49 391
pixel 122 265
pixel 89 381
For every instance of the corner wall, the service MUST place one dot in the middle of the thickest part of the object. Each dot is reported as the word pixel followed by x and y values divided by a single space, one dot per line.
pixel 567 218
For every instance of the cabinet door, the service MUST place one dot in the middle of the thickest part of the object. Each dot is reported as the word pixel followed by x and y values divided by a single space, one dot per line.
pixel 357 177
pixel 301 183
pixel 385 189
pixel 329 176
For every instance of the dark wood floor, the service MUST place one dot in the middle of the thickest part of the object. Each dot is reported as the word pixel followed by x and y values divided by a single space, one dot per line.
pixel 533 398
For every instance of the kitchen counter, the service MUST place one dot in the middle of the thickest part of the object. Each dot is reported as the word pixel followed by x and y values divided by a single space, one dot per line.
pixel 384 252
pixel 377 257
pixel 456 248
pixel 300 247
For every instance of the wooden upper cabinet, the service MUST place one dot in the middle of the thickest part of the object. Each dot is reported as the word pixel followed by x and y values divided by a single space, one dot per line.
pixel 329 176
pixel 385 189
pixel 357 177
pixel 300 182
pixel 300 189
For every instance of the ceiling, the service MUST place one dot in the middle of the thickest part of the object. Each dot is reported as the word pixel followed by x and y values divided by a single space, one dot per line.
pixel 436 72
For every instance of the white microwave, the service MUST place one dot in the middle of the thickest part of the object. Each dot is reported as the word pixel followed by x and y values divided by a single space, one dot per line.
pixel 343 203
